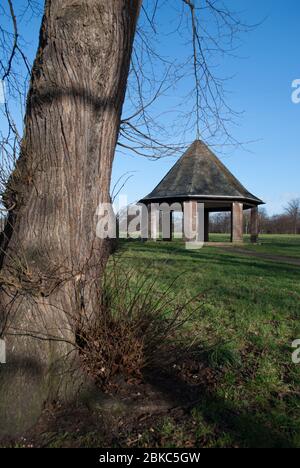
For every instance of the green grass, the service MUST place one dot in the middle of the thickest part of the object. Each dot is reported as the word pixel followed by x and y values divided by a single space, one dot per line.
pixel 285 245
pixel 279 245
pixel 249 393
pixel 251 312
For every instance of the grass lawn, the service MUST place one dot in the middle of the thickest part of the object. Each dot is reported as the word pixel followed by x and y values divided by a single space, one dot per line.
pixel 244 390
pixel 286 245
pixel 251 314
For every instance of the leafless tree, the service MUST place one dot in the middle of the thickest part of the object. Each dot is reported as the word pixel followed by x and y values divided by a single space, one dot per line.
pixel 58 170
pixel 293 211
pixel 220 223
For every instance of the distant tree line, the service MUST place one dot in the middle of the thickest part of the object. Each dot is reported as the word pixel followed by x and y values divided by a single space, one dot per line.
pixel 287 222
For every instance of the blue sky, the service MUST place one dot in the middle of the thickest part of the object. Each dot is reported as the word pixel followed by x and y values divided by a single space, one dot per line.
pixel 269 60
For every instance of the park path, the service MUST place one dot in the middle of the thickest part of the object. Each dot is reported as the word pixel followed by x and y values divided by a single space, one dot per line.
pixel 274 258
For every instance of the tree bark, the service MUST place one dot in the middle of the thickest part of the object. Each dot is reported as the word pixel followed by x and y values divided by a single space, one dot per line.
pixel 51 257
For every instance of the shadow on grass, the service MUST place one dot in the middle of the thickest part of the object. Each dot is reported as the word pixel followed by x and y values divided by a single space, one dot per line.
pixel 244 428
pixel 181 256
pixel 116 421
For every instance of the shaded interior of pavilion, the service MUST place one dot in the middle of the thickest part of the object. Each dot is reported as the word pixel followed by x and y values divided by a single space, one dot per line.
pixel 184 220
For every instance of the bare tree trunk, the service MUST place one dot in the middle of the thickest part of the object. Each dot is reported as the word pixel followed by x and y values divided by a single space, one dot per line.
pixel 52 258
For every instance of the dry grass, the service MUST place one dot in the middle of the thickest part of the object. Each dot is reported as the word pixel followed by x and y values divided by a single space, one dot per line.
pixel 138 326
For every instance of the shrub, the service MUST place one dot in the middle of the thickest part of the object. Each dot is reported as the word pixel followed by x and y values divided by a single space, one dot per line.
pixel 138 326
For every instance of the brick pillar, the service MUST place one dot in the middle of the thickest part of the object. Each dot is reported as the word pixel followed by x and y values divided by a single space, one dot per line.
pixel 144 221
pixel 254 224
pixel 160 227
pixel 206 226
pixel 153 221
pixel 189 220
pixel 237 222
pixel 193 221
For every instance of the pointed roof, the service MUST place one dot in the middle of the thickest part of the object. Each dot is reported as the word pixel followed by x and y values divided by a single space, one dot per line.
pixel 200 174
